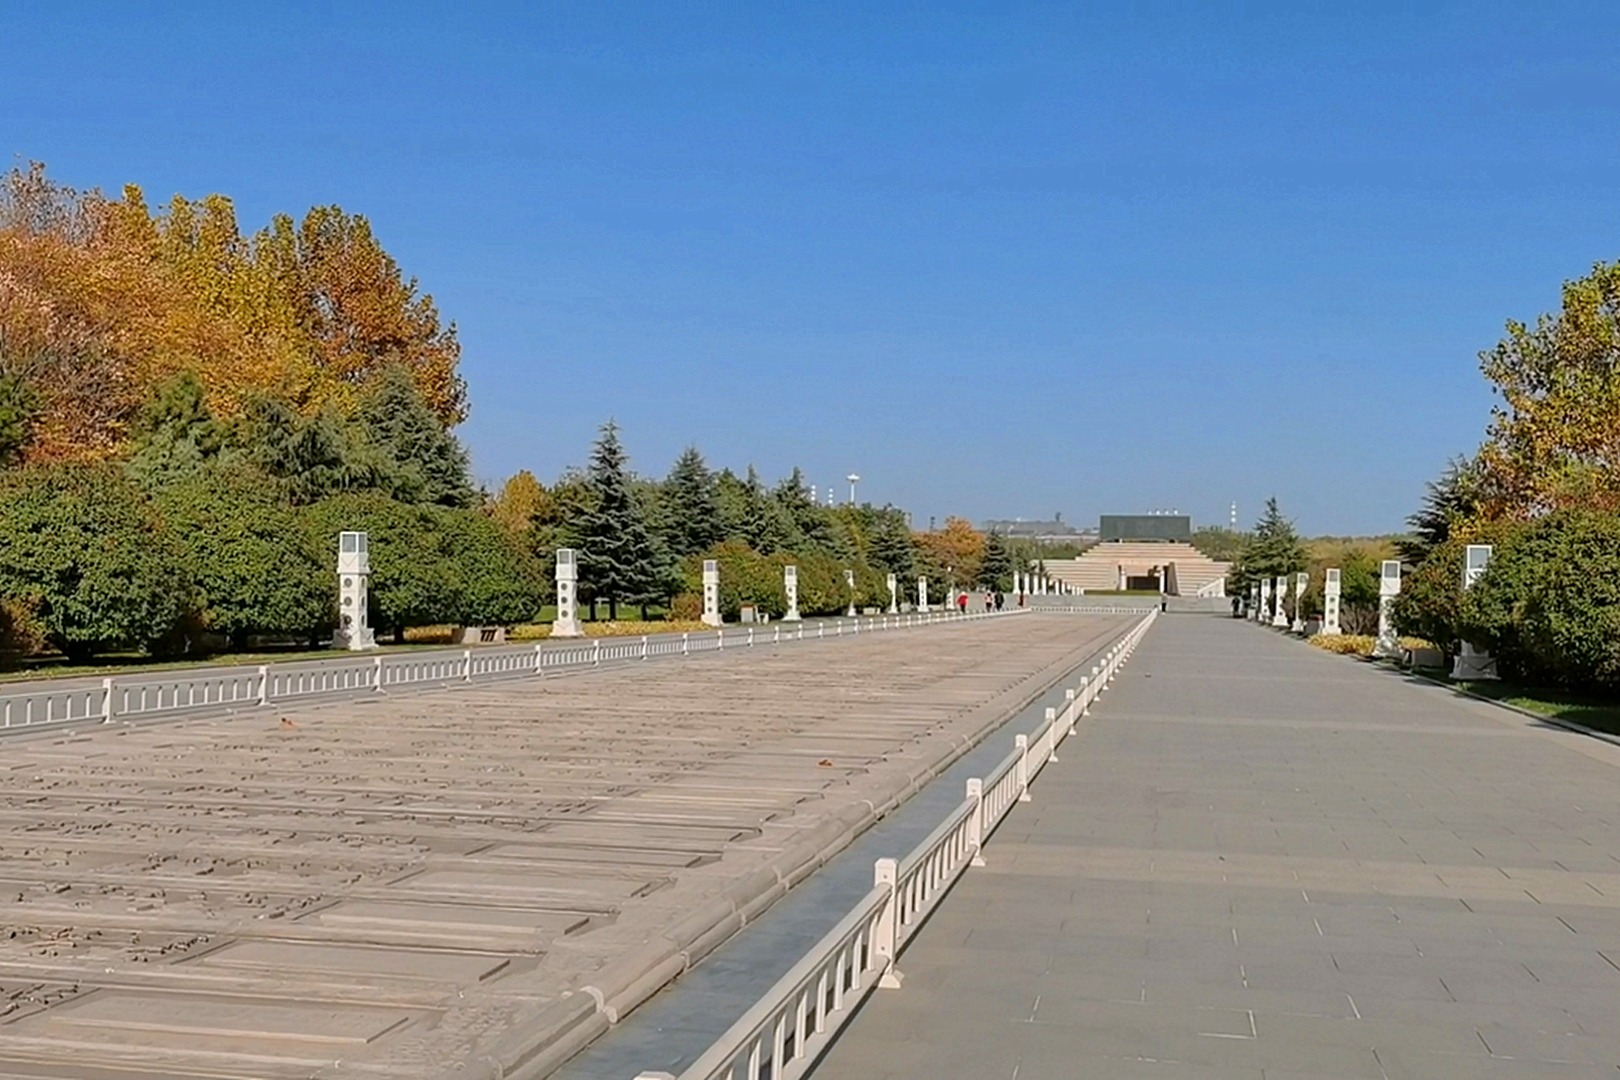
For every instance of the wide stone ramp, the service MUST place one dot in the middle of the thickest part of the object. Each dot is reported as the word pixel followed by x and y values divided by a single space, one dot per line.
pixel 1259 860
pixel 403 886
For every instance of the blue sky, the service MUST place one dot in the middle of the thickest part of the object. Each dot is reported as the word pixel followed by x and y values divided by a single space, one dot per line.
pixel 1002 260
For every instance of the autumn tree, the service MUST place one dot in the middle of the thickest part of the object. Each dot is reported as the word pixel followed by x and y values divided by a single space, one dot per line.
pixel 1555 439
pixel 102 301
pixel 521 504
pixel 952 554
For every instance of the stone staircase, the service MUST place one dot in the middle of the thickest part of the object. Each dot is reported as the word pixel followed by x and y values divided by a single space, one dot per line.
pixel 1187 571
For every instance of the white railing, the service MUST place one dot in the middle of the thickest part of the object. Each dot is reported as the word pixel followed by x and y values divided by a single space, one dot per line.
pixel 780 1037
pixel 198 691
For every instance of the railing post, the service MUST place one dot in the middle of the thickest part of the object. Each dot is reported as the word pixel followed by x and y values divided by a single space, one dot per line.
pixel 644 647
pixel 466 660
pixel 886 934
pixel 107 700
pixel 538 659
pixel 1072 709
pixel 686 644
pixel 776 639
pixel 1021 744
pixel 376 674
pixel 720 640
pixel 264 684
pixel 1051 734
pixel 596 651
pixel 975 794
pixel 750 637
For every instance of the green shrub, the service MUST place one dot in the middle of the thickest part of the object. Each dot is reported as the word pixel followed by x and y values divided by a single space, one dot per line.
pixel 257 566
pixel 1548 606
pixel 85 548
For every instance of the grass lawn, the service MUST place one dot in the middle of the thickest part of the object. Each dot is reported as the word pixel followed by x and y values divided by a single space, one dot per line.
pixel 1587 710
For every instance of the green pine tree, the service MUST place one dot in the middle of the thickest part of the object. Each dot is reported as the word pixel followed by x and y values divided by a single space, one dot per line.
pixel 893 550
pixel 423 462
pixel 996 572
pixel 689 521
pixel 618 560
pixel 1271 550
pixel 176 435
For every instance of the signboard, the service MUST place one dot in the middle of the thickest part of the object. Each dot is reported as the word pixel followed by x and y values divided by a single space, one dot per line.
pixel 1145 527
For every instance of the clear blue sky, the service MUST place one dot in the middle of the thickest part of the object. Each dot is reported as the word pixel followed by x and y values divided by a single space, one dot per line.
pixel 1000 259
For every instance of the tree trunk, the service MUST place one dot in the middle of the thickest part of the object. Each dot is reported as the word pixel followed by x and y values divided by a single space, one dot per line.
pixel 399 634
pixel 613 609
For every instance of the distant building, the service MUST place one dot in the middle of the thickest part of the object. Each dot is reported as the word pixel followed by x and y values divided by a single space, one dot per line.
pixel 1056 531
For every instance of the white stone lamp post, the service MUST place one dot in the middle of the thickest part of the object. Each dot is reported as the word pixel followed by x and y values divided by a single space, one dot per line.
pixel 1330 603
pixel 1265 600
pixel 1471 663
pixel 1389 587
pixel 894 595
pixel 790 582
pixel 1279 611
pixel 849 582
pixel 711 592
pixel 354 580
pixel 922 595
pixel 566 624
pixel 1302 582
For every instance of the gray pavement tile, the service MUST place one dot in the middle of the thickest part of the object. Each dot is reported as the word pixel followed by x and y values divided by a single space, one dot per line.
pixel 1404 871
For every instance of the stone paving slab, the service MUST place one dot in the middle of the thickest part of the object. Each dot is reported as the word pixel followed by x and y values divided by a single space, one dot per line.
pixel 396 888
pixel 1259 860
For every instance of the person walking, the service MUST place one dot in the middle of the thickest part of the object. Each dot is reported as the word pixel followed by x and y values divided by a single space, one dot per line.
pixel 1001 598
pixel 961 602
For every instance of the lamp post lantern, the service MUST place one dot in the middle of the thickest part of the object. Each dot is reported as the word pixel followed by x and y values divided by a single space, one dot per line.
pixel 354 579
pixel 853 478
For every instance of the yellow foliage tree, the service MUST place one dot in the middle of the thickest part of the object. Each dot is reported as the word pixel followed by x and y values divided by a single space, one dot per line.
pixel 102 301
pixel 954 553
pixel 1554 441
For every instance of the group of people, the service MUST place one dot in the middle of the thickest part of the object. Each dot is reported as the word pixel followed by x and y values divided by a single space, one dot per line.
pixel 993 601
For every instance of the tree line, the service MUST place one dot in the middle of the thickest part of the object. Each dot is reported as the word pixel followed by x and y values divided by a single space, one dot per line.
pixel 189 415
pixel 1543 489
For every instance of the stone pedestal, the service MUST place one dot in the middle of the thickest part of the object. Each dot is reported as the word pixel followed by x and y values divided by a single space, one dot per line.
pixel 354 587
pixel 1279 610
pixel 566 624
pixel 1265 601
pixel 849 583
pixel 1389 587
pixel 922 595
pixel 1302 582
pixel 894 595
pixel 790 584
pixel 1330 603
pixel 711 592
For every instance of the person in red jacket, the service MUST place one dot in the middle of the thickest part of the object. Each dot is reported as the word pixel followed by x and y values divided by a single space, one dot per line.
pixel 961 602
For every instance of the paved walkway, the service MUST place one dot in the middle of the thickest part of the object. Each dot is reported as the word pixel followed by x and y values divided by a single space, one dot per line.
pixel 1263 861
pixel 384 889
